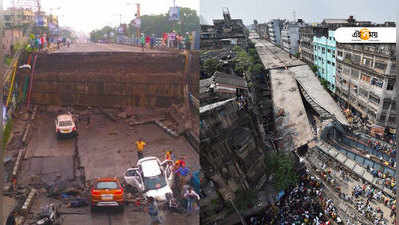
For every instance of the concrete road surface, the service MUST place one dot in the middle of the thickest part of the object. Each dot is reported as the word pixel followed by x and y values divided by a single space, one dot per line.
pixel 97 47
pixel 104 148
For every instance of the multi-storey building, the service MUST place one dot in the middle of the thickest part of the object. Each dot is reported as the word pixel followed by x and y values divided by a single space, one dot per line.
pixel 224 32
pixel 324 55
pixel 366 80
pixel 274 30
pixel 306 44
pixel 16 17
pixel 290 36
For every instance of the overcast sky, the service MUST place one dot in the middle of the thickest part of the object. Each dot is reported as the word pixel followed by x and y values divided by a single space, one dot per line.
pixel 86 15
pixel 309 10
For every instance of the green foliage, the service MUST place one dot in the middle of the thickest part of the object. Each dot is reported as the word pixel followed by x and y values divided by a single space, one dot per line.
pixel 256 69
pixel 210 66
pixel 154 24
pixel 314 68
pixel 244 198
pixel 281 166
pixel 7 133
pixel 324 83
pixel 252 52
pixel 7 60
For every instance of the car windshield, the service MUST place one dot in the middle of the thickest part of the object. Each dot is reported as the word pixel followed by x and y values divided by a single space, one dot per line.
pixel 106 185
pixel 65 123
pixel 155 182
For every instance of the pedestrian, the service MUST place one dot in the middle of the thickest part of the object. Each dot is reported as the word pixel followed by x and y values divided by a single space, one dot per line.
pixel 142 40
pixel 170 156
pixel 147 41
pixel 153 210
pixel 140 147
pixel 182 175
pixel 11 218
pixel 191 197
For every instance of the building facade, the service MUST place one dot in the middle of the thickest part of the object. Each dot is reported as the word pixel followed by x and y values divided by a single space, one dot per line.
pixel 290 36
pixel 366 75
pixel 324 57
pixel 274 30
pixel 16 17
pixel 306 44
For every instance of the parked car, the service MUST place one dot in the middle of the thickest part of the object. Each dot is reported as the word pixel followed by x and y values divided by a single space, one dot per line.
pixel 152 178
pixel 65 125
pixel 107 192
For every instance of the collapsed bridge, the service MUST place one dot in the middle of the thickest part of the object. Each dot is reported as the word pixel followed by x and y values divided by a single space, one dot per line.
pixel 109 79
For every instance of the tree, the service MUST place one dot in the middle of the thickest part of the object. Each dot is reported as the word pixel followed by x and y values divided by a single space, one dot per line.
pixel 210 66
pixel 281 167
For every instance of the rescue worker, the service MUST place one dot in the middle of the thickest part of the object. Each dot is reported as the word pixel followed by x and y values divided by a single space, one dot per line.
pixel 140 147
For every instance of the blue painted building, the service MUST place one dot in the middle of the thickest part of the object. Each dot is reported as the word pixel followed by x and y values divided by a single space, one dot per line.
pixel 324 56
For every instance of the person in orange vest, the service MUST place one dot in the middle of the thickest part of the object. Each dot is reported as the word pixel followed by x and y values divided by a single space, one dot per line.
pixel 140 147
pixel 170 156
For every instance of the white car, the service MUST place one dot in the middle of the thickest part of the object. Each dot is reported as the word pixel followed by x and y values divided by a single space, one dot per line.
pixel 65 125
pixel 152 178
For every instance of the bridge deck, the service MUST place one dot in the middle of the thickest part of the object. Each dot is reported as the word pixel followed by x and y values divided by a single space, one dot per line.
pixel 321 98
pixel 287 97
pixel 274 58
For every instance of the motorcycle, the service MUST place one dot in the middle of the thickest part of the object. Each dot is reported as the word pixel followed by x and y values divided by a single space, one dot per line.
pixel 49 216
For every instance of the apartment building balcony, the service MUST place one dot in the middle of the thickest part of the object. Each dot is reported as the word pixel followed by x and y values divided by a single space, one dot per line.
pixel 388 52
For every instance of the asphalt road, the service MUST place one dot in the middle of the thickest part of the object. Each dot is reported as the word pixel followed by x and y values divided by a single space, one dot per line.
pixel 97 47
pixel 104 148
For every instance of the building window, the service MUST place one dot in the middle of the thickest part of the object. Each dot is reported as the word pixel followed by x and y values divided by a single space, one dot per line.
pixel 348 55
pixel 380 65
pixel 355 74
pixel 377 82
pixel 322 70
pixel 365 78
pixel 368 62
pixel 391 84
pixel 339 53
pixel 315 48
pixel 356 58
pixel 339 68
pixel 328 62
pixel 323 50
pixel 363 92
pixel 386 103
pixel 392 119
pixel 333 64
pixel 393 68
pixel 346 70
pixel 383 117
pixel 374 98
pixel 328 50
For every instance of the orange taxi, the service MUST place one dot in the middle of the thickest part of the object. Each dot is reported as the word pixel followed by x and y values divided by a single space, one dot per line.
pixel 107 192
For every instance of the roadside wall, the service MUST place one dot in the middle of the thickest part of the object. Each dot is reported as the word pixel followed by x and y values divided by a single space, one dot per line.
pixel 109 79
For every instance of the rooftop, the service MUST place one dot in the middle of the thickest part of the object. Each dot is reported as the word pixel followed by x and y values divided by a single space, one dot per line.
pixel 229 79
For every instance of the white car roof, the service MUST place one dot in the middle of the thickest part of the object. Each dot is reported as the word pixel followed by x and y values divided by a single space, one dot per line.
pixel 150 168
pixel 64 117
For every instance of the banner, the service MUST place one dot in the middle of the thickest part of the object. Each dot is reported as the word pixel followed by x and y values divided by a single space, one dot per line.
pixel 365 35
pixel 174 14
pixel 39 21
pixel 136 22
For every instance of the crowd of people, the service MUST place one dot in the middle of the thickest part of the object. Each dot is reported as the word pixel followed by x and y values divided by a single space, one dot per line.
pixel 302 204
pixel 168 40
pixel 186 188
